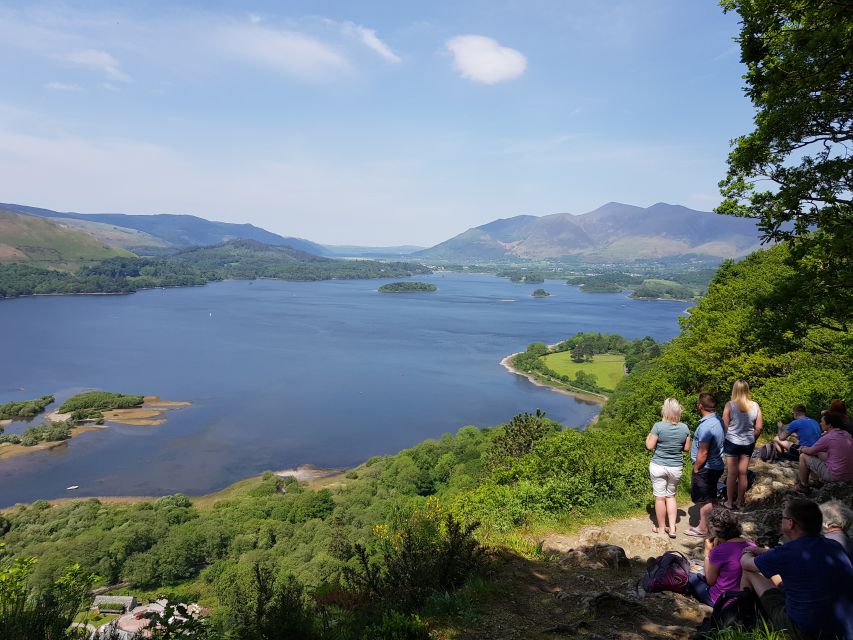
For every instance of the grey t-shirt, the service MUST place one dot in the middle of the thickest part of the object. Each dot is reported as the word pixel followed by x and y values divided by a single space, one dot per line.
pixel 671 438
pixel 742 425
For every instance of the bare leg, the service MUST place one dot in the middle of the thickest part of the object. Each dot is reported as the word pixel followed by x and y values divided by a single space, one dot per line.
pixel 672 512
pixel 804 470
pixel 781 445
pixel 731 480
pixel 755 581
pixel 704 512
pixel 742 466
pixel 660 512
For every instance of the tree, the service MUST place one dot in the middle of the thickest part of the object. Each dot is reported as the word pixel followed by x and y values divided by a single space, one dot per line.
pixel 793 173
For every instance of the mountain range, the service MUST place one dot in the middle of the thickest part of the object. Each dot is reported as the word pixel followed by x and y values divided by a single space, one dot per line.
pixel 613 232
pixel 163 230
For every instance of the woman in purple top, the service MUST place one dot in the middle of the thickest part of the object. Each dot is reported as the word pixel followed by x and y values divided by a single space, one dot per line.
pixel 722 558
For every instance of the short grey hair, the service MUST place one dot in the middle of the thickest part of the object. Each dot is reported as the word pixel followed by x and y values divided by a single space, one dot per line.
pixel 836 514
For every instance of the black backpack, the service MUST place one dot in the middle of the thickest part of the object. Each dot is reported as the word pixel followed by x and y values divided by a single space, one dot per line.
pixel 732 609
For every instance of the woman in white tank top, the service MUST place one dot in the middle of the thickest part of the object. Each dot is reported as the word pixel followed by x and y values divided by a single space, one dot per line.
pixel 743 422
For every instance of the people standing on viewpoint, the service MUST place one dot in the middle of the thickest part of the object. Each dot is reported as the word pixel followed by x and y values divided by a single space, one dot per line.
pixel 743 422
pixel 668 439
pixel 707 456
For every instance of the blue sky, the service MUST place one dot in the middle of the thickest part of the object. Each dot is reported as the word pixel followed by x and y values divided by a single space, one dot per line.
pixel 369 123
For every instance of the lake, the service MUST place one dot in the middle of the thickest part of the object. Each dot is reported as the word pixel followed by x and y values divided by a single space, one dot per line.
pixel 285 373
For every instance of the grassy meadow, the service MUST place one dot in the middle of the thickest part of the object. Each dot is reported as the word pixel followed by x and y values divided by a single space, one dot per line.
pixel 608 368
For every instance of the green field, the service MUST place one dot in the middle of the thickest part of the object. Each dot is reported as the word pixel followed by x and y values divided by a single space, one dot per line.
pixel 608 368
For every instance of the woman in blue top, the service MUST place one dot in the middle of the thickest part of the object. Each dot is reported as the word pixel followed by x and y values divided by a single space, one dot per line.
pixel 669 438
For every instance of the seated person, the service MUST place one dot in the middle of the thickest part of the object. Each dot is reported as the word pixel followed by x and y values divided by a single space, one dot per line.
pixel 830 459
pixel 806 429
pixel 837 519
pixel 804 586
pixel 722 558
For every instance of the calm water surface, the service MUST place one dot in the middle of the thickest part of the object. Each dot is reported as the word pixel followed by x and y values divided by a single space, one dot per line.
pixel 284 373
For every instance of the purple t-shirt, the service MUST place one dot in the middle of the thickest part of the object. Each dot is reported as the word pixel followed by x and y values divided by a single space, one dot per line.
pixel 726 556
pixel 838 446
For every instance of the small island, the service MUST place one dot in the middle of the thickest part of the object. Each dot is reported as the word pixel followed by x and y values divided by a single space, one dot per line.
pixel 84 412
pixel 25 409
pixel 540 293
pixel 402 287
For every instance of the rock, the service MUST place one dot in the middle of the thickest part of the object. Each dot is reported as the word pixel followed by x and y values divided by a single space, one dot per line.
pixel 592 535
pixel 557 544
pixel 613 556
pixel 644 545
pixel 611 604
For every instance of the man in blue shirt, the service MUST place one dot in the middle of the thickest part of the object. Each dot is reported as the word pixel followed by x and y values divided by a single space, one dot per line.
pixel 707 456
pixel 806 429
pixel 804 586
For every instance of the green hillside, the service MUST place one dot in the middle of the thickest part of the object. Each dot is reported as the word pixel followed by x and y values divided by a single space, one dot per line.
pixel 41 242
pixel 236 259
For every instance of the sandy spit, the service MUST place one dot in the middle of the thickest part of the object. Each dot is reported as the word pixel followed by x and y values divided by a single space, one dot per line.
pixel 308 472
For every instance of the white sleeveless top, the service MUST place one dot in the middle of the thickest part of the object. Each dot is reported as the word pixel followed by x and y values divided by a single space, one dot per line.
pixel 742 425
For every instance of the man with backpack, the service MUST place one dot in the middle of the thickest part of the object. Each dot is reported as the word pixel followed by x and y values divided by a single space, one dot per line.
pixel 707 457
pixel 804 586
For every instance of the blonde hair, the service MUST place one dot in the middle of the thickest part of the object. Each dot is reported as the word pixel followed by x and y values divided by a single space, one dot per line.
pixel 740 395
pixel 671 410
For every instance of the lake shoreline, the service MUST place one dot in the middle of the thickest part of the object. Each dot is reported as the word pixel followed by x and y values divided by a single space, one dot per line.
pixel 586 396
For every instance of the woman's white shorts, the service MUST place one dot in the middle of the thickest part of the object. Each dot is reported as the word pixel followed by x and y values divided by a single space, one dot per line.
pixel 664 479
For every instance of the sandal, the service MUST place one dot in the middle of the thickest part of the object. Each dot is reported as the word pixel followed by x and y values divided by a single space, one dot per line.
pixel 693 531
pixel 671 534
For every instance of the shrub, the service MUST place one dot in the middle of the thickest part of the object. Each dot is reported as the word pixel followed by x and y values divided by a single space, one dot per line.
pixel 397 626
pixel 424 552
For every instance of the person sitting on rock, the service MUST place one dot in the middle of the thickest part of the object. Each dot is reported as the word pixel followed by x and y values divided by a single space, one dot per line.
pixel 830 459
pixel 722 558
pixel 804 586
pixel 806 429
pixel 837 519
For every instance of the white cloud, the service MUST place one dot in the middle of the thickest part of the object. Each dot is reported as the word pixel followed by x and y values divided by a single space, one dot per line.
pixel 99 61
pixel 62 86
pixel 289 52
pixel 485 60
pixel 369 39
pixel 254 18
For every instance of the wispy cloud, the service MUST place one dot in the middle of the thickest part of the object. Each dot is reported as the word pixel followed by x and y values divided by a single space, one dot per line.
pixel 369 39
pixel 291 53
pixel 485 60
pixel 727 53
pixel 62 86
pixel 98 61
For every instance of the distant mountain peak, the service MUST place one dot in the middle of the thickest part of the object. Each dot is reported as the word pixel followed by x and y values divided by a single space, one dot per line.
pixel 613 232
